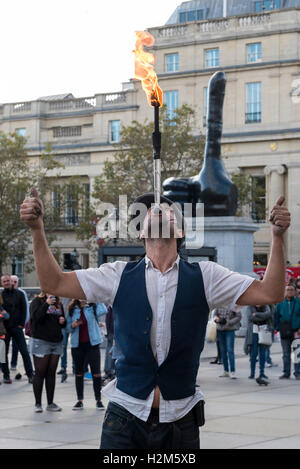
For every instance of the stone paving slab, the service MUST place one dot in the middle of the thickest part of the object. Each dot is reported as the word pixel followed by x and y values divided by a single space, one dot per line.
pixel 239 413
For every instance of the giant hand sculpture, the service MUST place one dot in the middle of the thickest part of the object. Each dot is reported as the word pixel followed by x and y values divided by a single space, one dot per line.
pixel 212 186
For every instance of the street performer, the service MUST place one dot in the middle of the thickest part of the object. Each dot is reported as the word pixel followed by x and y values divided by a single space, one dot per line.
pixel 160 306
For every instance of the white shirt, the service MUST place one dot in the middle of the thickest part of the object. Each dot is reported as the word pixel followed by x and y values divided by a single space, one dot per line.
pixel 222 289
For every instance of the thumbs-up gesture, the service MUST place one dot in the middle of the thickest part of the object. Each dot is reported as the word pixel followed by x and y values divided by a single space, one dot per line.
pixel 280 217
pixel 32 210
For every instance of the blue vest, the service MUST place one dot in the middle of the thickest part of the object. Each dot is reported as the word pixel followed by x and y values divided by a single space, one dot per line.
pixel 136 368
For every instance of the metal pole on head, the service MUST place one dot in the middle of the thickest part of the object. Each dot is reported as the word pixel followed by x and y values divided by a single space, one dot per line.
pixel 156 139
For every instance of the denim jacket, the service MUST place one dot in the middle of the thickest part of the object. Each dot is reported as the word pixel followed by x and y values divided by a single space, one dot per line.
pixel 93 326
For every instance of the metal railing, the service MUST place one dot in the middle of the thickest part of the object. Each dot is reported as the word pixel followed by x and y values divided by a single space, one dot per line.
pixel 252 117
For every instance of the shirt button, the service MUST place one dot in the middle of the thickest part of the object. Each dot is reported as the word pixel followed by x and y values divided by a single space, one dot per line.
pixel 147 318
pixel 145 332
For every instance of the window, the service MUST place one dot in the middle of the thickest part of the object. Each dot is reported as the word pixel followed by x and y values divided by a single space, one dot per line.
pixel 71 206
pixel 266 5
pixel 21 132
pixel 19 260
pixel 253 102
pixel 55 199
pixel 172 62
pixel 258 205
pixel 254 52
pixel 171 101
pixel 115 131
pixel 74 131
pixel 211 58
pixel 192 15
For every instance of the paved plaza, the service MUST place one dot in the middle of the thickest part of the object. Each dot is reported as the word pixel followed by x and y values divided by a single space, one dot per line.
pixel 239 413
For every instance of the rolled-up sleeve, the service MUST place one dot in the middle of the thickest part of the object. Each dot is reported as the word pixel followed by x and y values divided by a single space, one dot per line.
pixel 223 287
pixel 101 284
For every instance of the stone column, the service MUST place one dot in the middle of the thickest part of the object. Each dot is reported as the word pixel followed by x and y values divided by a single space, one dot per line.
pixel 276 183
pixel 293 198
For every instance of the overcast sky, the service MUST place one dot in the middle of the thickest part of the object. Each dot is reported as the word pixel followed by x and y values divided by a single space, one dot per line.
pixel 82 47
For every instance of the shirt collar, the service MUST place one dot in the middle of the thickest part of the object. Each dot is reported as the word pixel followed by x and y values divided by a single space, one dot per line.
pixel 149 263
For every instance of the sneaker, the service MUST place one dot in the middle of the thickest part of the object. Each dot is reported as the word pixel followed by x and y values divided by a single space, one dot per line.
pixel 53 408
pixel 224 375
pixel 78 406
pixel 88 376
pixel 7 381
pixel 61 371
pixel 251 377
pixel 64 377
pixel 268 365
pixel 284 377
pixel 38 408
pixel 99 405
pixel 232 376
pixel 263 376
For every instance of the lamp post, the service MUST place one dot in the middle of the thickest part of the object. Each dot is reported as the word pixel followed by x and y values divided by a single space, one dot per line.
pixel 14 264
pixel 113 224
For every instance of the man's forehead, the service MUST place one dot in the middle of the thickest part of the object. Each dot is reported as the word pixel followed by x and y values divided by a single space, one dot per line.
pixel 163 206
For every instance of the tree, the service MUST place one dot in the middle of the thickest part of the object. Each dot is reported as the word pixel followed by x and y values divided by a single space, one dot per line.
pixel 131 170
pixel 17 175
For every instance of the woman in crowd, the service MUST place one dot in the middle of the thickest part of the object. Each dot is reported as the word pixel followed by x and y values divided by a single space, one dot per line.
pixel 257 316
pixel 83 323
pixel 227 323
pixel 46 345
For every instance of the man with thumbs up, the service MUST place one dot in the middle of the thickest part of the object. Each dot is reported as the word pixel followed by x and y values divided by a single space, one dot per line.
pixel 161 306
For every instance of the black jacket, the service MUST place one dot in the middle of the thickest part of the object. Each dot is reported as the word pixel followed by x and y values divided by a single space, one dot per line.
pixel 43 325
pixel 15 304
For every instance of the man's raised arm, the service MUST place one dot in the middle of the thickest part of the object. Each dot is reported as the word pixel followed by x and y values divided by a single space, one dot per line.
pixel 52 279
pixel 271 289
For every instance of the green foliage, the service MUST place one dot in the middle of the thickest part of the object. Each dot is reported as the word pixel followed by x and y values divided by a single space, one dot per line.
pixel 17 176
pixel 131 170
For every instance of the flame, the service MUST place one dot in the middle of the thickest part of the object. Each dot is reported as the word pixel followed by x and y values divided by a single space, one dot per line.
pixel 144 70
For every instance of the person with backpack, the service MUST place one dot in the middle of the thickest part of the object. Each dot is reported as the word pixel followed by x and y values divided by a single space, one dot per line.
pixel 83 324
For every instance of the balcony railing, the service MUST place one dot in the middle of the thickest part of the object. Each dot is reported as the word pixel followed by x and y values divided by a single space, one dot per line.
pixel 63 223
pixel 252 117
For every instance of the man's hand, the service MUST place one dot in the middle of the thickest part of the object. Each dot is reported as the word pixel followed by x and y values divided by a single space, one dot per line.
pixel 32 211
pixel 280 218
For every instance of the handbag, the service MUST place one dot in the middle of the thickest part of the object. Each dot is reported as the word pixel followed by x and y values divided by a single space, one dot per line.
pixel 264 335
pixel 211 331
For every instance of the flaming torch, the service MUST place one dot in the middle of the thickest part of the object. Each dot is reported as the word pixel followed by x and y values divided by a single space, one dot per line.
pixel 144 71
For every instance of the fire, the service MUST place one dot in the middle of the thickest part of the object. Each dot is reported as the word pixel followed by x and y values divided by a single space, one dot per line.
pixel 144 70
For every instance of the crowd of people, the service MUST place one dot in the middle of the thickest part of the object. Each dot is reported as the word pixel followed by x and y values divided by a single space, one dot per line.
pixel 49 321
pixel 263 322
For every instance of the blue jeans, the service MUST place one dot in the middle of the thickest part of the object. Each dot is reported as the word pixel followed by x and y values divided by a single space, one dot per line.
pixel 260 350
pixel 18 334
pixel 122 430
pixel 226 341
